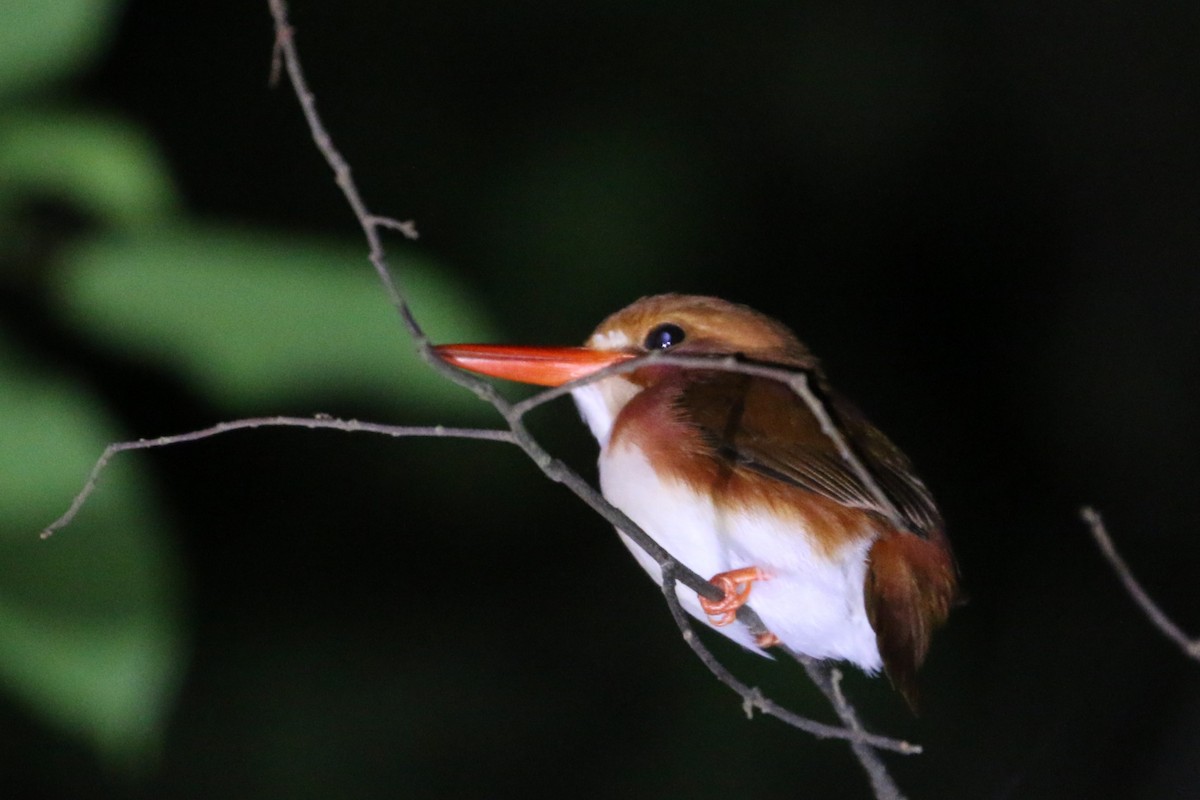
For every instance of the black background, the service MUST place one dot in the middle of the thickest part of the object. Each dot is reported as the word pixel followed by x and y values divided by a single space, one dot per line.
pixel 986 221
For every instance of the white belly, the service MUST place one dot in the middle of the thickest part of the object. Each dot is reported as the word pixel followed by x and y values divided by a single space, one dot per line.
pixel 813 604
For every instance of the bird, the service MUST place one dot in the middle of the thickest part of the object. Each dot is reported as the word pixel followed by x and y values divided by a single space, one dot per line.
pixel 735 477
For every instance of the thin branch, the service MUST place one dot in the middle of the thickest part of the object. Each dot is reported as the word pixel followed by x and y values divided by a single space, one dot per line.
pixel 799 384
pixel 828 679
pixel 407 227
pixel 550 466
pixel 853 732
pixel 1190 646
pixel 753 698
pixel 318 421
pixel 285 47
pixel 285 54
pixel 285 50
pixel 795 378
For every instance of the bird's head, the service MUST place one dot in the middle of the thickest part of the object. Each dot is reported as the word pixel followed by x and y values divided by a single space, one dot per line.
pixel 685 324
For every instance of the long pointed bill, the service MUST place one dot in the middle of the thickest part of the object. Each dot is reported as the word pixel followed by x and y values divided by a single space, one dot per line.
pixel 544 366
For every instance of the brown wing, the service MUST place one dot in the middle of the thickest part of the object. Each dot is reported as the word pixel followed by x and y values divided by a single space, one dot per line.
pixel 763 426
pixel 911 581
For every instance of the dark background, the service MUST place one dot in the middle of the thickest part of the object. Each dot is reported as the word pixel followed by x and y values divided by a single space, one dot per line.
pixel 986 220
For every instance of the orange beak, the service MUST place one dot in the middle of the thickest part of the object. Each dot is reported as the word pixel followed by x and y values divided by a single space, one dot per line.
pixel 543 366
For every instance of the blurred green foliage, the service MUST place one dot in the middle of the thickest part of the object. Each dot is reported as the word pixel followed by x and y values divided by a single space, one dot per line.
pixel 104 168
pixel 92 637
pixel 42 42
pixel 248 316
pixel 90 633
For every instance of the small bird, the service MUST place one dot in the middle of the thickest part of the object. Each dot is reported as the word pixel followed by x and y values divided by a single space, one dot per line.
pixel 733 475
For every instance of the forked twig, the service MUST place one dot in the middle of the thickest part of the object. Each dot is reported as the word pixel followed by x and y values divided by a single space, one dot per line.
pixel 286 53
pixel 829 680
pixel 286 59
pixel 794 378
pixel 553 468
pixel 314 422
pixel 753 698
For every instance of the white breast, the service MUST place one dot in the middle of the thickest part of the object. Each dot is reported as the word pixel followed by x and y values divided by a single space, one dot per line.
pixel 813 604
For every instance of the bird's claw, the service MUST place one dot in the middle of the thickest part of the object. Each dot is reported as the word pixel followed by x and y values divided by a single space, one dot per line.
pixel 736 585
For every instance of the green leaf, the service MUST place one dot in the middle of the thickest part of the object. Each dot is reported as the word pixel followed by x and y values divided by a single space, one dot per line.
pixel 107 168
pixel 44 39
pixel 90 638
pixel 252 318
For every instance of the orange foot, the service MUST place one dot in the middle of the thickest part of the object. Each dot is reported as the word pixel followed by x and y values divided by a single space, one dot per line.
pixel 736 584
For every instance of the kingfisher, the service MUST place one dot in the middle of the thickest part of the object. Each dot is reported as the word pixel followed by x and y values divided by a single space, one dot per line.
pixel 734 476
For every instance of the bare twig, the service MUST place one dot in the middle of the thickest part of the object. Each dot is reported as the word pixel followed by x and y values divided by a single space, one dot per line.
pixel 794 378
pixel 514 414
pixel 285 47
pixel 285 57
pixel 799 384
pixel 1190 646
pixel 285 50
pixel 828 679
pixel 318 421
pixel 753 698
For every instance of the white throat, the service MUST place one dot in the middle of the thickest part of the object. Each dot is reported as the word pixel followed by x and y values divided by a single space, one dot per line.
pixel 600 402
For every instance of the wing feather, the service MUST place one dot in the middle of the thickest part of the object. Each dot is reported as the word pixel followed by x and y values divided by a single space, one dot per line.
pixel 760 425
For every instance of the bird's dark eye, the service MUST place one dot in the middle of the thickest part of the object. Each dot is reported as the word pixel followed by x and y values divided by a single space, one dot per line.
pixel 664 337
